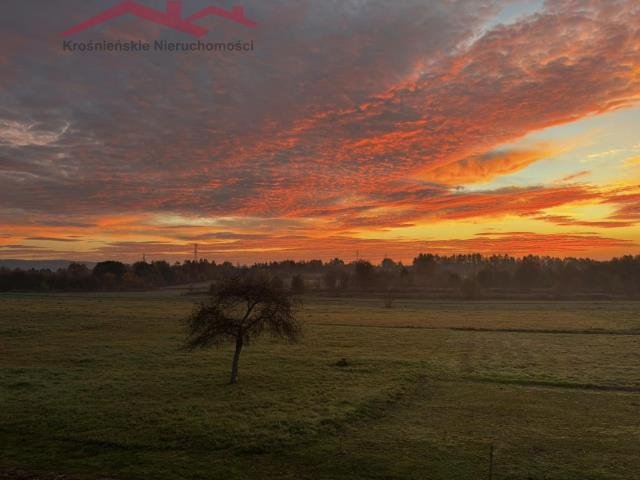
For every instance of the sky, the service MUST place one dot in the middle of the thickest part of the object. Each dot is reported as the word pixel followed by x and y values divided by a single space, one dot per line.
pixel 354 129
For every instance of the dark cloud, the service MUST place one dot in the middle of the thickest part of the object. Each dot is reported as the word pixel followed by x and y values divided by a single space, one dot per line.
pixel 197 132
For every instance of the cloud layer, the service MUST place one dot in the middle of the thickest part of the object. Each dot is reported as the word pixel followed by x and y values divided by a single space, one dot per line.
pixel 351 119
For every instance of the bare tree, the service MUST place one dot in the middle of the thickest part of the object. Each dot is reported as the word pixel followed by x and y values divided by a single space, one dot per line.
pixel 241 309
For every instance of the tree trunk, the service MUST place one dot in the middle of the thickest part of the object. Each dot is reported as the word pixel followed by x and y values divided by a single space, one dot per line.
pixel 236 360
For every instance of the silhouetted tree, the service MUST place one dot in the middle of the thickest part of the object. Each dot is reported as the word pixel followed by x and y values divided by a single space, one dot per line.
pixel 78 270
pixel 277 282
pixel 297 285
pixel 365 274
pixel 110 267
pixel 241 309
pixel 453 280
pixel 330 279
pixel 405 276
pixel 486 277
pixel 528 272
pixel 500 274
pixel 388 264
pixel 469 288
pixel 425 264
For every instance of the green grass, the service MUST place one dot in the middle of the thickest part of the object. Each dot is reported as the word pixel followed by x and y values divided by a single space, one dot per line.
pixel 96 385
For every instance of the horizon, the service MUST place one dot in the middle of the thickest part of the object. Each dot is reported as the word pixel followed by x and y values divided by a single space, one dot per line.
pixel 353 130
pixel 325 261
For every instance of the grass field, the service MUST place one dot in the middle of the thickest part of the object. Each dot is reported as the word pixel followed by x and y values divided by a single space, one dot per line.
pixel 96 386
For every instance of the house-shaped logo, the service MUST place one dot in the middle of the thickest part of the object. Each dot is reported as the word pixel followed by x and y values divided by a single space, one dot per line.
pixel 171 17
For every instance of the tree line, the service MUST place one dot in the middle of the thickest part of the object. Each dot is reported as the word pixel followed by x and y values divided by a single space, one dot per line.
pixel 471 275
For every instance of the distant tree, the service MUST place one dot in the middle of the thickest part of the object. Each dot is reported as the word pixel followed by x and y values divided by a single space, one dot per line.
pixel 75 277
pixel 500 273
pixel 109 281
pixel 277 282
pixel 528 272
pixel 336 262
pixel 469 288
pixel 425 264
pixel 453 280
pixel 78 270
pixel 485 277
pixel 142 269
pixel 388 264
pixel 297 285
pixel 343 280
pixel 365 274
pixel 386 279
pixel 502 278
pixel 131 281
pixel 110 267
pixel 241 309
pixel 164 270
pixel 330 279
pixel 148 274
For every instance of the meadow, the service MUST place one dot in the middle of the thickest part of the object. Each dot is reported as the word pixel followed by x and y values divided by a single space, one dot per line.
pixel 96 386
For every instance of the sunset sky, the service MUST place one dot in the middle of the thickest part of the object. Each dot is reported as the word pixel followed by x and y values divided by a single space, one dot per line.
pixel 378 127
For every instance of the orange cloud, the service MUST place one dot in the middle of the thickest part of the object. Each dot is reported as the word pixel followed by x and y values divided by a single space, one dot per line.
pixel 485 167
pixel 573 222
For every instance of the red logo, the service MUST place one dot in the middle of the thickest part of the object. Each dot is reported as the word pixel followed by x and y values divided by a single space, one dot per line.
pixel 171 17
